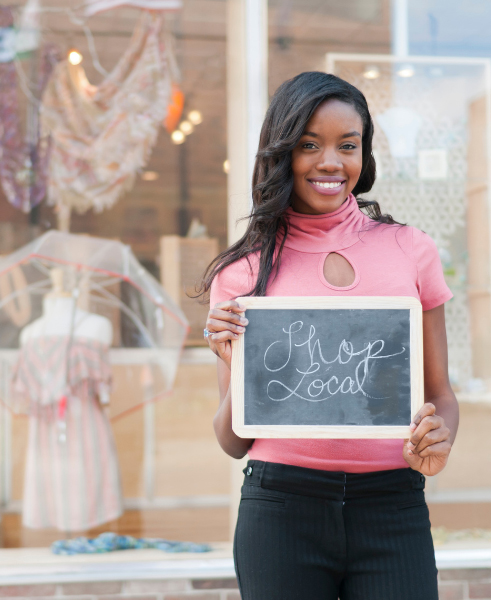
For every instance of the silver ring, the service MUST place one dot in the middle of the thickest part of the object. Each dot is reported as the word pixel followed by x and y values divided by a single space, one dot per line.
pixel 207 333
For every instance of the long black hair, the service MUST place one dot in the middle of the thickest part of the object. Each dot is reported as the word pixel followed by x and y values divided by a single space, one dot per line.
pixel 292 105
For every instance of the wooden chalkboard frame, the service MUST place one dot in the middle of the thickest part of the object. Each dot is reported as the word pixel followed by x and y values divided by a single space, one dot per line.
pixel 330 431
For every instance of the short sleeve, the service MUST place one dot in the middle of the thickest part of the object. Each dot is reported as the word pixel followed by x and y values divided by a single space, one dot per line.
pixel 234 281
pixel 432 288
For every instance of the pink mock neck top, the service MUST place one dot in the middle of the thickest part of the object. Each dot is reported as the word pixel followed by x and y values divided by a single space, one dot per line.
pixel 331 231
pixel 388 260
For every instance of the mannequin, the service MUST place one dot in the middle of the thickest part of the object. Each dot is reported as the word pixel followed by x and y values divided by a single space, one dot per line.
pixel 401 126
pixel 61 317
pixel 72 477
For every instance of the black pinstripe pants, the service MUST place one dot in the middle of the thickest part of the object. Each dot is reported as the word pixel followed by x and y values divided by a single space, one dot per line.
pixel 304 534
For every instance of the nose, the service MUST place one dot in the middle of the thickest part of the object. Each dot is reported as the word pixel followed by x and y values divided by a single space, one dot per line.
pixel 329 161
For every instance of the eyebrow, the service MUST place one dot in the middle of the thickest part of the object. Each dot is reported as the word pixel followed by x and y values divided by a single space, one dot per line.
pixel 345 135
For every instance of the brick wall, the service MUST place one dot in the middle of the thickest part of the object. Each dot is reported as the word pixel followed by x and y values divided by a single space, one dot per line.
pixel 454 584
pixel 168 589
pixel 465 584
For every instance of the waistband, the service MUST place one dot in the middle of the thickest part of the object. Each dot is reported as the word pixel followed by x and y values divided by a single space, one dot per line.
pixel 331 485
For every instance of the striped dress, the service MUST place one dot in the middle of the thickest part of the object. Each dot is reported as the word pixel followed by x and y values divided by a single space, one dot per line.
pixel 72 479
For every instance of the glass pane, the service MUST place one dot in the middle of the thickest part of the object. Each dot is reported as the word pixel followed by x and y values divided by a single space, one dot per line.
pixel 431 145
pixel 170 212
pixel 427 175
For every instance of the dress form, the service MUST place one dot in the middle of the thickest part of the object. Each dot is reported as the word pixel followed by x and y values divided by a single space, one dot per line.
pixel 62 317
pixel 72 479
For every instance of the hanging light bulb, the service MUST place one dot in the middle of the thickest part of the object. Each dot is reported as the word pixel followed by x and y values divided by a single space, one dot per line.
pixel 405 71
pixel 75 57
pixel 178 136
pixel 195 117
pixel 371 72
pixel 186 127
pixel 149 175
pixel 226 166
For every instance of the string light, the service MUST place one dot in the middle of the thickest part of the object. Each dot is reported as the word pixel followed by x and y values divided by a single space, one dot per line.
pixel 405 71
pixel 226 166
pixel 74 57
pixel 178 136
pixel 195 117
pixel 186 127
pixel 371 72
pixel 150 175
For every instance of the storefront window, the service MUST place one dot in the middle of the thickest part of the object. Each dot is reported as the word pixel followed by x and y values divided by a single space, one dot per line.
pixel 136 107
pixel 156 183
pixel 425 73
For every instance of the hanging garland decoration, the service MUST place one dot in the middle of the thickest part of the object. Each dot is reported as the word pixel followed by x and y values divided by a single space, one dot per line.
pixel 23 162
pixel 103 135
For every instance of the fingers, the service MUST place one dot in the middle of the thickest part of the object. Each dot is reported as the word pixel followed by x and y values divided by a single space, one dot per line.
pixel 222 337
pixel 439 433
pixel 427 424
pixel 225 315
pixel 225 323
pixel 428 430
pixel 441 449
pixel 220 319
pixel 230 305
pixel 234 323
pixel 425 411
pixel 219 344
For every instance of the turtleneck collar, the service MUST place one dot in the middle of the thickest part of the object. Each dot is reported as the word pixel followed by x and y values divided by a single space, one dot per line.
pixel 327 232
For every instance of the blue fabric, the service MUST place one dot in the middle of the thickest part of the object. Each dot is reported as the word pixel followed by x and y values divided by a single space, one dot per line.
pixel 109 542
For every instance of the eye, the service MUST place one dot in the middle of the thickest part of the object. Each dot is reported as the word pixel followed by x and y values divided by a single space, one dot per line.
pixel 309 145
pixel 348 146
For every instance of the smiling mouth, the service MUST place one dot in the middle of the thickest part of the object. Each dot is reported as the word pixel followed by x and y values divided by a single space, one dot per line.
pixel 328 185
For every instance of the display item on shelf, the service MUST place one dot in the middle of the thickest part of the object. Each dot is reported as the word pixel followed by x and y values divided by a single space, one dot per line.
pixel 110 542
pixel 71 477
pixel 63 372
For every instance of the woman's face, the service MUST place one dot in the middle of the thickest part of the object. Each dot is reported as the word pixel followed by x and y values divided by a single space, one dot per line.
pixel 327 161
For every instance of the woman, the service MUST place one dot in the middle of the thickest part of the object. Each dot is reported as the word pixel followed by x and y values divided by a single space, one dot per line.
pixel 322 519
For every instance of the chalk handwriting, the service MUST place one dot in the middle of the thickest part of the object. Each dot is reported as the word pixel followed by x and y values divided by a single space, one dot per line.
pixel 317 381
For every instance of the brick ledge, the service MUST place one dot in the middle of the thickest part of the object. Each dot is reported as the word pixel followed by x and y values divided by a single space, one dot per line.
pixel 469 558
pixel 38 565
pixel 217 564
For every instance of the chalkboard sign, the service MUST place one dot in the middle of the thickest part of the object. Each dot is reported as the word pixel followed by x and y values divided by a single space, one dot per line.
pixel 334 367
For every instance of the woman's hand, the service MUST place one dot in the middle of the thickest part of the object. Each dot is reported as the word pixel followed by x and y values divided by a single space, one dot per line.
pixel 225 323
pixel 432 436
pixel 428 448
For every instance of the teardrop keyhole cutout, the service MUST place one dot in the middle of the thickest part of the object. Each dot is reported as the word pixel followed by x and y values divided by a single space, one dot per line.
pixel 338 271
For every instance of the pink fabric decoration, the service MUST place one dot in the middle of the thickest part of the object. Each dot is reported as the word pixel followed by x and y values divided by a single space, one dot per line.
pixel 23 162
pixel 103 135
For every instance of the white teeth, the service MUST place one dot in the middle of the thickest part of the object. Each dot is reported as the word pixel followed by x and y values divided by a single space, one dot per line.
pixel 334 184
